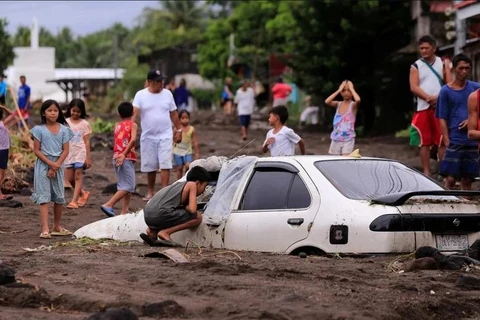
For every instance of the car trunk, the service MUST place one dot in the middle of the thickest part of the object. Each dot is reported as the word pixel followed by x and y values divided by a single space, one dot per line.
pixel 444 224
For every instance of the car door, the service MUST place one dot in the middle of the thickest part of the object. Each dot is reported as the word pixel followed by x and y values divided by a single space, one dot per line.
pixel 276 209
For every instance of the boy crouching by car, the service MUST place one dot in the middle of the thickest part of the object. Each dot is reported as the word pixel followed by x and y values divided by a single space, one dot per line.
pixel 174 208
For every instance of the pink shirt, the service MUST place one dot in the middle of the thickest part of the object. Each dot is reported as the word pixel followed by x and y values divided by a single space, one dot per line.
pixel 78 151
pixel 281 90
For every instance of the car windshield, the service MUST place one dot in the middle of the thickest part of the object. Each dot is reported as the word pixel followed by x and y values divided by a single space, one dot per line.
pixel 368 179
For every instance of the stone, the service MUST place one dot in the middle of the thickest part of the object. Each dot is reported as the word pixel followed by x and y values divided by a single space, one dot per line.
pixel 7 274
pixel 164 309
pixel 114 314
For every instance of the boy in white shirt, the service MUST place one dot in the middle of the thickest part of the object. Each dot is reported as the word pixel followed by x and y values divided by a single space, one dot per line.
pixel 245 101
pixel 281 140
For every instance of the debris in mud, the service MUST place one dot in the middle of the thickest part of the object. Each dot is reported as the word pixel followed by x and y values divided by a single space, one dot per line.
pixel 425 263
pixel 114 314
pixel 10 204
pixel 14 184
pixel 110 189
pixel 7 274
pixel 171 254
pixel 164 309
pixel 468 282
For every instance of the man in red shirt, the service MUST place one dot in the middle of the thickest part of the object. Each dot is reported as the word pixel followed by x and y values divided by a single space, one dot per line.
pixel 280 92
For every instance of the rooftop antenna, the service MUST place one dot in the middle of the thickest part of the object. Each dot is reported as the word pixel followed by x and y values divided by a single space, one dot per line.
pixel 34 34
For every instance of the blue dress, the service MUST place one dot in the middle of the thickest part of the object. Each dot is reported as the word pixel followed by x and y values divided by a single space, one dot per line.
pixel 51 145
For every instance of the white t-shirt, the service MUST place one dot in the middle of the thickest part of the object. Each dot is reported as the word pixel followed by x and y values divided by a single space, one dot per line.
pixel 155 111
pixel 285 141
pixel 245 101
pixel 429 82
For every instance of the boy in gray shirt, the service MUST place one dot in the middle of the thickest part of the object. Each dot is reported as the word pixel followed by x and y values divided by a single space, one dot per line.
pixel 174 208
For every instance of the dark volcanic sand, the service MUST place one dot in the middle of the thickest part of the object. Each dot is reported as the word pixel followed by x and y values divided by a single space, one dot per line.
pixel 73 281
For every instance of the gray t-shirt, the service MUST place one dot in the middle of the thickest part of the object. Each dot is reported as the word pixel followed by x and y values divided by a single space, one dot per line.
pixel 166 199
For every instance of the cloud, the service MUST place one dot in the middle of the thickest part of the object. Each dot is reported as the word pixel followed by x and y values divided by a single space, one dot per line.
pixel 82 17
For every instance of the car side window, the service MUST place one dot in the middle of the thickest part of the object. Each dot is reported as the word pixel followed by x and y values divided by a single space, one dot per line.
pixel 275 189
pixel 299 196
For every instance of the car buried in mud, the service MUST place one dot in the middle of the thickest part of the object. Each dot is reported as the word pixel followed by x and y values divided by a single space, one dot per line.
pixel 324 204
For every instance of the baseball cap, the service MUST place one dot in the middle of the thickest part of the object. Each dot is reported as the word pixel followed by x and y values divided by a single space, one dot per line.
pixel 155 75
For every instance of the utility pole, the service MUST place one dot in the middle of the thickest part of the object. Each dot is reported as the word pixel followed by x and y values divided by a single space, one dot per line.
pixel 115 58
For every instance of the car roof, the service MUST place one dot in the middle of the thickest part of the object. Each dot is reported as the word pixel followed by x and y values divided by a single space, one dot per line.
pixel 315 158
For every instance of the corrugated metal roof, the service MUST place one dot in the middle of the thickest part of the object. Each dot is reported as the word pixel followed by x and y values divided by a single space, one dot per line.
pixel 464 4
pixel 84 74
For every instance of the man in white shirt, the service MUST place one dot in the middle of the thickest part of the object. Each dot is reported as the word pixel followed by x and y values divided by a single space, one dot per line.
pixel 245 100
pixel 156 108
pixel 427 76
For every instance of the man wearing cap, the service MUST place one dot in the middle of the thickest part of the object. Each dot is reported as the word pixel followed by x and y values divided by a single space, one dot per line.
pixel 3 89
pixel 157 111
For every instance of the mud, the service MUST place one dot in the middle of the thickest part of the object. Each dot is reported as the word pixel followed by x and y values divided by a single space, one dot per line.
pixel 73 280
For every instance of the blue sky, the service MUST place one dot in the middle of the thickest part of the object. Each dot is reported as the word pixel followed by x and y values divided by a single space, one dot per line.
pixel 82 17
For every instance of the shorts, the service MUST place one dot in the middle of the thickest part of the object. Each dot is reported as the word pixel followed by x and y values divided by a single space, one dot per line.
pixel 427 126
pixel 3 159
pixel 460 162
pixel 156 154
pixel 2 100
pixel 225 100
pixel 182 160
pixel 75 165
pixel 125 176
pixel 279 102
pixel 168 217
pixel 244 120
pixel 341 147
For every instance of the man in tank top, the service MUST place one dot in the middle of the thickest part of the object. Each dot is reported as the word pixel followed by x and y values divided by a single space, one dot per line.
pixel 427 75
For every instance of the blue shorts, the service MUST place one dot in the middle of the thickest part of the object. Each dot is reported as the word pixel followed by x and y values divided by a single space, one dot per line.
pixel 182 160
pixel 460 162
pixel 244 120
pixel 3 159
pixel 76 165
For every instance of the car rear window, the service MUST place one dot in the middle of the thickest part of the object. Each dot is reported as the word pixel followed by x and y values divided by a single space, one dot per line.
pixel 368 179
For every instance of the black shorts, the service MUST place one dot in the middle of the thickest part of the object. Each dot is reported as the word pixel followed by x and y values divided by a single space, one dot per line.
pixel 224 101
pixel 2 100
pixel 168 218
pixel 244 120
pixel 3 159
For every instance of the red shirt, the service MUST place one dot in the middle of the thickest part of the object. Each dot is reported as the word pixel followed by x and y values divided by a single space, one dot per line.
pixel 122 136
pixel 281 90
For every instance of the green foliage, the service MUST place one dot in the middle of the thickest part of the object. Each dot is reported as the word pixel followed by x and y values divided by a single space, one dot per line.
pixel 102 126
pixel 6 48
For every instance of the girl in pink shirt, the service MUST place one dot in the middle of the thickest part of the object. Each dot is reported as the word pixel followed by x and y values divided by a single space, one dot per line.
pixel 78 158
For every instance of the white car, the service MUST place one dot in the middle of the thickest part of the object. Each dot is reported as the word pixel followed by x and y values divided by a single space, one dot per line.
pixel 324 204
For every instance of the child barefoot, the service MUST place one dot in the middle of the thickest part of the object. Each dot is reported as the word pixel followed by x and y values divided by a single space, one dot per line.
pixel 281 140
pixel 343 135
pixel 174 208
pixel 183 151
pixel 4 146
pixel 50 145
pixel 125 134
pixel 78 157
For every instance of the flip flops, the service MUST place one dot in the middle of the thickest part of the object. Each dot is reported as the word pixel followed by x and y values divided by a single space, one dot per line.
pixel 83 199
pixel 108 211
pixel 158 242
pixel 6 197
pixel 62 233
pixel 45 235
pixel 72 205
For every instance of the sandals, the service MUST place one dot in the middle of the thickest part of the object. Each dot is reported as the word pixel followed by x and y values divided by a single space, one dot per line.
pixel 110 212
pixel 83 199
pixel 158 242
pixel 63 232
pixel 72 205
pixel 45 235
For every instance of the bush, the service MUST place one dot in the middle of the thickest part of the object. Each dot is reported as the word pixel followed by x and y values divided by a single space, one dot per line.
pixel 102 126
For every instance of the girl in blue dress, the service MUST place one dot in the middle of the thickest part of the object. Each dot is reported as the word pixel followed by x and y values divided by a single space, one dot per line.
pixel 50 145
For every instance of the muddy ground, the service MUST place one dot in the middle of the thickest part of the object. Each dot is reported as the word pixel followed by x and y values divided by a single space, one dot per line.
pixel 74 279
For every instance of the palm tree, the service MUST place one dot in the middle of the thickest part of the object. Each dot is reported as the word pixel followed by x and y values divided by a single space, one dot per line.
pixel 21 38
pixel 178 15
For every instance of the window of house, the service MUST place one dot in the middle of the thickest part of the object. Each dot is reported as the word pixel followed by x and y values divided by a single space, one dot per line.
pixel 275 189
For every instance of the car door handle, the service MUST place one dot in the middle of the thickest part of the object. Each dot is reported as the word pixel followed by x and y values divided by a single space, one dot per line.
pixel 295 221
